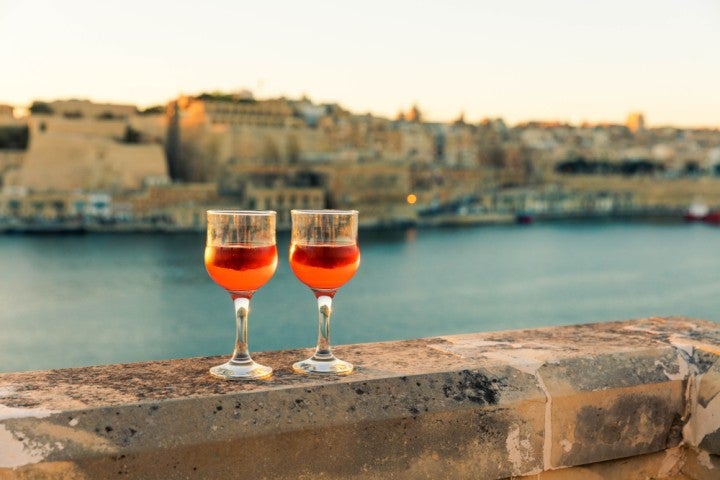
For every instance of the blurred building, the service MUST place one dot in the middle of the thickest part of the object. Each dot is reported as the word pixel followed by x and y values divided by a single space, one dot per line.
pixel 6 111
pixel 635 122
pixel 75 108
pixel 76 158
pixel 285 154
pixel 86 155
pixel 164 166
pixel 208 132
pixel 14 137
pixel 377 189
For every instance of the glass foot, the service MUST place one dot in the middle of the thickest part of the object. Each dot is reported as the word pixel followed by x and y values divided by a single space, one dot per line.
pixel 332 366
pixel 241 371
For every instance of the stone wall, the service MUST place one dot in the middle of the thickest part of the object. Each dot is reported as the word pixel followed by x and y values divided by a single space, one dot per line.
pixel 88 109
pixel 626 400
pixel 648 191
pixel 10 159
pixel 87 163
pixel 86 127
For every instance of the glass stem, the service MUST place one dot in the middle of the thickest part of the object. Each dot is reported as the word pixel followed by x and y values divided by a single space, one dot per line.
pixel 322 352
pixel 242 310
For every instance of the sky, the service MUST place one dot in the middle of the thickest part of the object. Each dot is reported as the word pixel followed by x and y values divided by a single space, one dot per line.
pixel 566 60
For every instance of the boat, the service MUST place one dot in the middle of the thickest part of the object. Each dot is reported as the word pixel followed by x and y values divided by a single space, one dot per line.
pixel 697 212
pixel 712 217
pixel 524 218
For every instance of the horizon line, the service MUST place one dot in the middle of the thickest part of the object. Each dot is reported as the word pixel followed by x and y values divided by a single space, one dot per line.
pixel 548 120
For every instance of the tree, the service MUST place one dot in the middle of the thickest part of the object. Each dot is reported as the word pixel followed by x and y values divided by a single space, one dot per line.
pixel 14 138
pixel 41 108
pixel 73 114
pixel 131 135
pixel 155 109
pixel 106 115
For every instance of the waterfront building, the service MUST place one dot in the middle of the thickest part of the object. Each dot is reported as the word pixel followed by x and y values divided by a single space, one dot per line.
pixel 268 153
pixel 274 187
pixel 77 158
pixel 379 190
pixel 86 162
pixel 77 108
pixel 209 132
pixel 417 142
pixel 19 204
pixel 636 122
pixel 240 109
pixel 10 160
pixel 282 199
pixel 166 166
pixel 6 112
pixel 179 206
pixel 88 147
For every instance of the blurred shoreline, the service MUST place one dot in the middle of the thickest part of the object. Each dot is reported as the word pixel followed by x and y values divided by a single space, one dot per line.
pixel 456 219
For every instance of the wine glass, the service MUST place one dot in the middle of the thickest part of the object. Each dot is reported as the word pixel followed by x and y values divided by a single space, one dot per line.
pixel 324 255
pixel 241 256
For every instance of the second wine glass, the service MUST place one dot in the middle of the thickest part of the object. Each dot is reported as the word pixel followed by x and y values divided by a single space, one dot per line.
pixel 324 255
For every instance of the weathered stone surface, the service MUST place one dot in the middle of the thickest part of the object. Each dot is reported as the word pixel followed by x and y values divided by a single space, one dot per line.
pixel 613 406
pixel 665 465
pixel 701 465
pixel 501 403
pixel 462 420
pixel 703 428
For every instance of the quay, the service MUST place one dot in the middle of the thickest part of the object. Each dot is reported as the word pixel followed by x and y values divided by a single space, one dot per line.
pixel 628 400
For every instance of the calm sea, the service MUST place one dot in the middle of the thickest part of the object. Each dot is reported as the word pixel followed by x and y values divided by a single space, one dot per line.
pixel 71 300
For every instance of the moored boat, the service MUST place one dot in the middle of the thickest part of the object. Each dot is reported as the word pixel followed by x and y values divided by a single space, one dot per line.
pixel 524 218
pixel 696 212
pixel 699 212
pixel 712 217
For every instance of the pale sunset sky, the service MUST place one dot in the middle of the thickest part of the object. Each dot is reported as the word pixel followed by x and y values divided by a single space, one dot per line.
pixel 568 60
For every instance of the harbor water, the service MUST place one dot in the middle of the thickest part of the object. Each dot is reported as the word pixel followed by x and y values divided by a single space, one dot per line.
pixel 72 300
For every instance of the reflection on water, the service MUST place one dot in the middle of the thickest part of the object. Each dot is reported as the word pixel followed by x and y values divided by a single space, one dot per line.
pixel 88 299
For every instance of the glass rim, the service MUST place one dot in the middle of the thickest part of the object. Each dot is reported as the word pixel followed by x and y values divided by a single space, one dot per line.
pixel 258 213
pixel 325 212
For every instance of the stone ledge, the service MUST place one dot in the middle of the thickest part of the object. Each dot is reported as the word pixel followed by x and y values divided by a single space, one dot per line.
pixel 525 402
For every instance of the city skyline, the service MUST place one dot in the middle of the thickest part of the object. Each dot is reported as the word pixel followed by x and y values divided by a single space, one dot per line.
pixel 519 61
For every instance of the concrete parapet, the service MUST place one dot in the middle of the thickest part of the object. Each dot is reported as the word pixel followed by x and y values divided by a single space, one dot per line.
pixel 636 399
